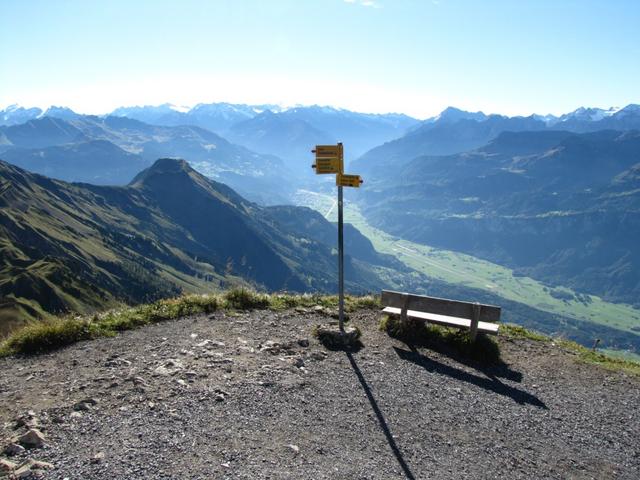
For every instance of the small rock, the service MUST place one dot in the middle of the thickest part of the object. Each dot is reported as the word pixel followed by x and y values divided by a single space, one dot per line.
pixel 294 448
pixel 75 415
pixel 39 465
pixel 31 467
pixel 28 420
pixel 303 342
pixel 318 356
pixel 34 438
pixel 13 449
pixel 191 374
pixel 97 458
pixel 7 466
pixel 85 405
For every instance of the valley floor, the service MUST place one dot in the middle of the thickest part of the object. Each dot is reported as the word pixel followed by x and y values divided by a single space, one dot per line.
pixel 253 395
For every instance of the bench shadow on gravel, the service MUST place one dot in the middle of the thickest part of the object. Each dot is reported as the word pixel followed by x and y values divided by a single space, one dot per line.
pixel 381 420
pixel 491 382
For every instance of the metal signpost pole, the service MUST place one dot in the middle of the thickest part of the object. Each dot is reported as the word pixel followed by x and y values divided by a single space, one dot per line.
pixel 330 160
pixel 340 262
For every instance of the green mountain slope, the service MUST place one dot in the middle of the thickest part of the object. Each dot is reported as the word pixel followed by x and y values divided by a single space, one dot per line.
pixel 77 247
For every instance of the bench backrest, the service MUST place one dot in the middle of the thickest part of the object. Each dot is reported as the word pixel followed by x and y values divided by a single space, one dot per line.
pixel 440 306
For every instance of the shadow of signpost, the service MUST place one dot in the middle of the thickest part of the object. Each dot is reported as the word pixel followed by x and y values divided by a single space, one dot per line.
pixel 381 420
pixel 492 383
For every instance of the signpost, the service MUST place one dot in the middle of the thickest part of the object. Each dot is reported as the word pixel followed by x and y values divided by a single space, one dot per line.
pixel 330 159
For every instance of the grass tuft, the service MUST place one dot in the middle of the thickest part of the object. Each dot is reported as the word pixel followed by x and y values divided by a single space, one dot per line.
pixel 243 299
pixel 516 331
pixel 60 332
pixel 47 336
pixel 449 341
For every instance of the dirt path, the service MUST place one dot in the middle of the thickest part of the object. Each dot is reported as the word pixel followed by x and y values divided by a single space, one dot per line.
pixel 248 397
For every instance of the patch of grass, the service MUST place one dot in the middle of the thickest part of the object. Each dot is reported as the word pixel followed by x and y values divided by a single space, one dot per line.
pixel 47 336
pixel 60 332
pixel 594 357
pixel 244 299
pixel 583 353
pixel 516 331
pixel 449 341
pixel 284 301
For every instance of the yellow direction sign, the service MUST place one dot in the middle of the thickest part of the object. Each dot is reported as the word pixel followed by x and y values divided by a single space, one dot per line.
pixel 328 151
pixel 328 165
pixel 343 180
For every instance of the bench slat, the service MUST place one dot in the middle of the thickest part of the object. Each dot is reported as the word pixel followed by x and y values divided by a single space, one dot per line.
pixel 445 320
pixel 440 306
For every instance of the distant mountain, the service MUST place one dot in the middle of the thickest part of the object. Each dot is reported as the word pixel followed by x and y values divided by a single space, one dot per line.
pixel 456 131
pixel 40 133
pixel 358 131
pixel 98 162
pixel 260 177
pixel 217 117
pixel 591 120
pixel 15 115
pixel 77 247
pixel 63 113
pixel 451 132
pixel 452 115
pixel 292 133
pixel 288 137
pixel 557 206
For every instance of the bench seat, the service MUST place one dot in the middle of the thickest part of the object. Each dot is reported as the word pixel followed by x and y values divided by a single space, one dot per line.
pixel 447 321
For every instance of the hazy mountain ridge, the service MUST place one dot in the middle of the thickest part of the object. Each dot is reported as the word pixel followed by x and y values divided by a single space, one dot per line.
pixel 255 175
pixel 456 131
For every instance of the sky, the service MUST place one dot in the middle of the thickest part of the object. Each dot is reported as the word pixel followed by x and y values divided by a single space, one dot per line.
pixel 417 57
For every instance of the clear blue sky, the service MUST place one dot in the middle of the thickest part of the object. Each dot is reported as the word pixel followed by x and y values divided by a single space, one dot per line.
pixel 413 56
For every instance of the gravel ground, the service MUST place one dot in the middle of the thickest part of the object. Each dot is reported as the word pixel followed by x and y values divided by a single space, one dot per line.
pixel 254 396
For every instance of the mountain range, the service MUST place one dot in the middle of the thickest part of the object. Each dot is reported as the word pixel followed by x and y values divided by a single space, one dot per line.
pixel 456 131
pixel 557 206
pixel 111 150
pixel 79 247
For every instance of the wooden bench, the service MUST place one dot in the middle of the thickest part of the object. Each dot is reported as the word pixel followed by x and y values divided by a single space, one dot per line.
pixel 474 317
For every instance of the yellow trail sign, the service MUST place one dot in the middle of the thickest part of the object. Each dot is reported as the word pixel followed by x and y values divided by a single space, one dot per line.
pixel 344 180
pixel 328 165
pixel 328 151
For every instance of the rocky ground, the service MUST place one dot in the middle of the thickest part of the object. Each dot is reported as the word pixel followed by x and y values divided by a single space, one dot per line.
pixel 254 396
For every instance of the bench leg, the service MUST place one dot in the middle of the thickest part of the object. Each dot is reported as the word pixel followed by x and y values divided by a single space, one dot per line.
pixel 473 331
pixel 405 307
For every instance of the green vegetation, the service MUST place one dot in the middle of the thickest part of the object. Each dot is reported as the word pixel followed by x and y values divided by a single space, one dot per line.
pixel 584 354
pixel 57 332
pixel 460 269
pixel 442 339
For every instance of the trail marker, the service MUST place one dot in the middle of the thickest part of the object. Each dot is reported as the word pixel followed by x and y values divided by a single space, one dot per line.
pixel 328 165
pixel 344 180
pixel 330 159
